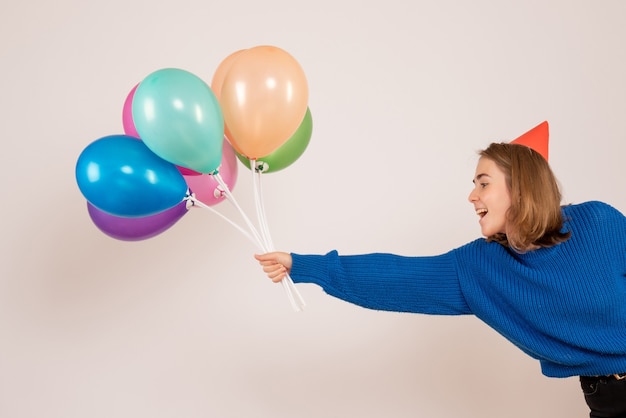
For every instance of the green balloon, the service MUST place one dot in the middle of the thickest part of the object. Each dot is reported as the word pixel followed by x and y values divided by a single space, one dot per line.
pixel 287 153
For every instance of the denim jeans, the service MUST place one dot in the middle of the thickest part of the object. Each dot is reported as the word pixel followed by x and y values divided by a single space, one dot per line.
pixel 605 396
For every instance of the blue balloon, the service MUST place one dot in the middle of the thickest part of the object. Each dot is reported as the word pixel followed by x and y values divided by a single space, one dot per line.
pixel 118 174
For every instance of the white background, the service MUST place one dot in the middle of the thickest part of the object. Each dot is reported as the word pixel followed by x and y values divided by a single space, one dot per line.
pixel 402 93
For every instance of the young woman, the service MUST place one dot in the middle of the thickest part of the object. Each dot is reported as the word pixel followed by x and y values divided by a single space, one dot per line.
pixel 549 278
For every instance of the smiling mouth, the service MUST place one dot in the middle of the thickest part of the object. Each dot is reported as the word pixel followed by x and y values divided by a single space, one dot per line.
pixel 481 212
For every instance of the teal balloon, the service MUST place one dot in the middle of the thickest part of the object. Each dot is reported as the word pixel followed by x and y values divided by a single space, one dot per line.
pixel 179 118
pixel 119 175
pixel 287 153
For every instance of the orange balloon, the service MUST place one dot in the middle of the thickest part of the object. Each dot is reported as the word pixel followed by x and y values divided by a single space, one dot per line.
pixel 221 71
pixel 264 98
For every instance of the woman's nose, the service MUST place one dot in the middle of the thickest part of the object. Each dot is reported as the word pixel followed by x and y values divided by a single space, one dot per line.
pixel 472 197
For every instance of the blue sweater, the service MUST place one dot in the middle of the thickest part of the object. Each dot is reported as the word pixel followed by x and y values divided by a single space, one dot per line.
pixel 564 305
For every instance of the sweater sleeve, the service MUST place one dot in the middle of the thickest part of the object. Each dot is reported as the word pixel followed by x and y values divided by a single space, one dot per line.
pixel 428 285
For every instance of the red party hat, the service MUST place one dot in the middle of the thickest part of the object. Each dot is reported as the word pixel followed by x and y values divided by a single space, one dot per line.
pixel 536 138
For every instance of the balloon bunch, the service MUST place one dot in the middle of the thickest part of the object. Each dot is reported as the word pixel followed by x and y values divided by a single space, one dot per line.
pixel 182 141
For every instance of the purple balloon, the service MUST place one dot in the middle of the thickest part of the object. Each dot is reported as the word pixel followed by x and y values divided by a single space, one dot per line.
pixel 136 228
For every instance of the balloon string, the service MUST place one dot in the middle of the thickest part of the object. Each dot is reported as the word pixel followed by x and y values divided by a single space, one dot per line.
pixel 233 201
pixel 261 242
pixel 260 211
pixel 201 204
pixel 297 302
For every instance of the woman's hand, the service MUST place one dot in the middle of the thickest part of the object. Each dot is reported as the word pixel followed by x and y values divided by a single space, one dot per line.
pixel 275 264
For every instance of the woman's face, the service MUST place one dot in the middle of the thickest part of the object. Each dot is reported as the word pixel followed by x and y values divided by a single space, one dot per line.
pixel 491 197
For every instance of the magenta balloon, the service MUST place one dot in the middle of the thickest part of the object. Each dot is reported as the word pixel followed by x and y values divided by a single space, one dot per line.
pixel 127 114
pixel 204 186
pixel 136 229
pixel 187 171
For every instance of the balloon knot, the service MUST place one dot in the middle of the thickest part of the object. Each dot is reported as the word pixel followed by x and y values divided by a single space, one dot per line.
pixel 190 199
pixel 261 166
pixel 218 192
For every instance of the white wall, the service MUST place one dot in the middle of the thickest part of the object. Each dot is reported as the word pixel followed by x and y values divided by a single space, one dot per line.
pixel 185 325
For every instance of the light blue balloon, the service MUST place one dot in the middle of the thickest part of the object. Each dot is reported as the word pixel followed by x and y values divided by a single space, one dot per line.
pixel 118 174
pixel 179 118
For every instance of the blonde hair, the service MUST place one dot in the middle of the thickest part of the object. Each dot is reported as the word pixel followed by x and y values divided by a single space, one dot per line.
pixel 534 218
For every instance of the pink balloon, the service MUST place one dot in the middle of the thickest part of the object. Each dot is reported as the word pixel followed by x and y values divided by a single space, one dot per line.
pixel 127 114
pixel 205 186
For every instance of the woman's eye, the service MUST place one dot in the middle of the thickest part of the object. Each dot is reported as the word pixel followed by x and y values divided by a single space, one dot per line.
pixel 483 185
